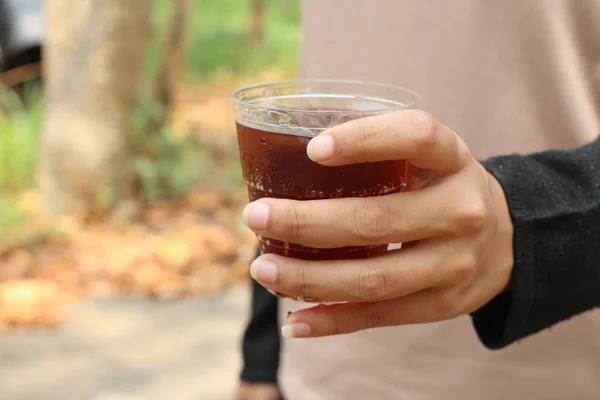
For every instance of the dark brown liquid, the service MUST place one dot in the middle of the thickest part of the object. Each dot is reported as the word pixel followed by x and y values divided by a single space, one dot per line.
pixel 276 165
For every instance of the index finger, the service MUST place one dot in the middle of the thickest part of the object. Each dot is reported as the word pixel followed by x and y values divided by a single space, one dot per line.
pixel 410 135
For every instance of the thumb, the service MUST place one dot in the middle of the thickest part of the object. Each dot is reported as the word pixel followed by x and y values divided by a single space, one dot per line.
pixel 410 135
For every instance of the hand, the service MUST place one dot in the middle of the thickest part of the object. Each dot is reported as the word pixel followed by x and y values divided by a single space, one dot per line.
pixel 454 223
pixel 257 391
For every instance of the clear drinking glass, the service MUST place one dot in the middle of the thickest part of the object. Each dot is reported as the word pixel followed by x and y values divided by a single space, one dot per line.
pixel 275 121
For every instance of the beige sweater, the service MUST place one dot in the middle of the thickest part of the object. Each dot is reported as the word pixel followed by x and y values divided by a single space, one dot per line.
pixel 509 76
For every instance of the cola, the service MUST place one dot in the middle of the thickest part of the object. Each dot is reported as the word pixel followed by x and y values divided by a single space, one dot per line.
pixel 275 164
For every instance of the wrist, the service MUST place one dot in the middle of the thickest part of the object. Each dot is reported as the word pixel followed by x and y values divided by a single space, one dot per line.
pixel 504 232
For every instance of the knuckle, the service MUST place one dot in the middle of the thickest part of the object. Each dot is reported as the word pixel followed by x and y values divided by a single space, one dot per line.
pixel 336 326
pixel 371 318
pixel 372 284
pixel 366 318
pixel 366 133
pixel 426 130
pixel 297 226
pixel 471 216
pixel 343 323
pixel 300 285
pixel 372 221
pixel 463 268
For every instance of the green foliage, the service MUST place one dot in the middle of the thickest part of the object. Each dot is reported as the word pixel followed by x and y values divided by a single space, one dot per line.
pixel 20 125
pixel 219 39
pixel 165 165
pixel 233 180
pixel 10 214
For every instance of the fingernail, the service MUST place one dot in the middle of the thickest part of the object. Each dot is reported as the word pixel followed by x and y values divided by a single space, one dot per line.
pixel 295 330
pixel 255 216
pixel 320 148
pixel 263 271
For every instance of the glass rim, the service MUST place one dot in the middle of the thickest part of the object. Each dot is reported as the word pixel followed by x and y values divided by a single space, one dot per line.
pixel 235 95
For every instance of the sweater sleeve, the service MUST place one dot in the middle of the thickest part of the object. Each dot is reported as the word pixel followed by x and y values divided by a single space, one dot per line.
pixel 261 342
pixel 554 201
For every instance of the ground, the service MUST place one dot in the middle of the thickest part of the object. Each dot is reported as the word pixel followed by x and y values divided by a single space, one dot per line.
pixel 130 349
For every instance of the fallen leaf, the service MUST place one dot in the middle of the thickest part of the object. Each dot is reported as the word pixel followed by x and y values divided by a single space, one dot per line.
pixel 29 301
pixel 146 276
pixel 174 253
pixel 16 265
pixel 221 241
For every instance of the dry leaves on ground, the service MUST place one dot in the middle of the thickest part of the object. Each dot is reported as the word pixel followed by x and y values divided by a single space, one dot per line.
pixel 174 251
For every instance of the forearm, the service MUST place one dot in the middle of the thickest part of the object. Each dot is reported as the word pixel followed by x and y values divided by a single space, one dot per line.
pixel 554 200
pixel 261 342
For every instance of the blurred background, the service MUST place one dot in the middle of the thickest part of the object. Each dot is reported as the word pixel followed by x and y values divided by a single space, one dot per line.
pixel 123 263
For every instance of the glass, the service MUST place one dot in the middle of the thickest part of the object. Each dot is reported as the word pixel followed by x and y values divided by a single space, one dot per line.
pixel 275 121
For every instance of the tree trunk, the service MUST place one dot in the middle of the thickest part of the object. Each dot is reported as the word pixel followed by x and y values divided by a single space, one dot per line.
pixel 93 59
pixel 257 29
pixel 173 52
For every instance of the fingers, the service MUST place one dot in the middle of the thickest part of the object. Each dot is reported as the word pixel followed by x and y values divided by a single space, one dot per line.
pixel 410 135
pixel 334 223
pixel 422 307
pixel 393 274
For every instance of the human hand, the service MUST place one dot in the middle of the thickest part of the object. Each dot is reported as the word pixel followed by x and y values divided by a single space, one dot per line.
pixel 257 391
pixel 454 223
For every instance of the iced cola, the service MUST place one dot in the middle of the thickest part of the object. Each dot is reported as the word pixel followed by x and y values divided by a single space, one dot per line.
pixel 274 124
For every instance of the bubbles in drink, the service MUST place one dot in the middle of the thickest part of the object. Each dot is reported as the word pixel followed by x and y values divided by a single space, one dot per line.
pixel 283 170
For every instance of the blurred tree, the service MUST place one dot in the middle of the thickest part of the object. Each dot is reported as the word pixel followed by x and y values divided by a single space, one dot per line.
pixel 158 153
pixel 258 22
pixel 173 49
pixel 94 58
